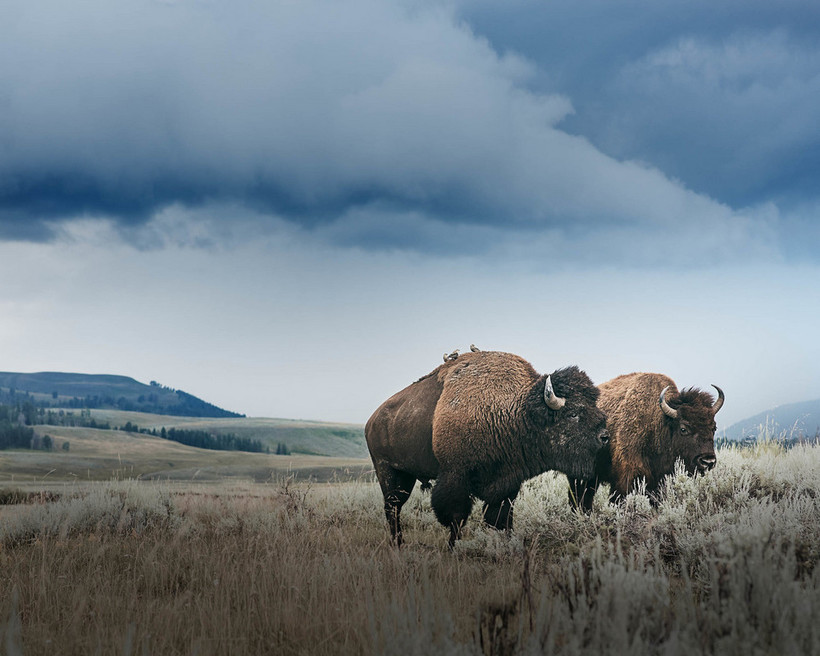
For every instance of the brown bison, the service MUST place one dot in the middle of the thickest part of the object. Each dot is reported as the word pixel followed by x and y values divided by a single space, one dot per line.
pixel 481 425
pixel 651 425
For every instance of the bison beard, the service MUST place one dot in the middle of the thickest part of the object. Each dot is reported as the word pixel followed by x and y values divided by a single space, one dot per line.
pixel 481 425
pixel 651 426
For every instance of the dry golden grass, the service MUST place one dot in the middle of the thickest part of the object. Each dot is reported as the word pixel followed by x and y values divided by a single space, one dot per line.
pixel 726 564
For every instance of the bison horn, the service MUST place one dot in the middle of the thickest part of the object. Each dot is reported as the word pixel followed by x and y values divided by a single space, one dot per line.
pixel 719 403
pixel 667 410
pixel 553 402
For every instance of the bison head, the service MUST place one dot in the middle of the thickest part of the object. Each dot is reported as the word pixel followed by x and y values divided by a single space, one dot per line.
pixel 691 419
pixel 572 427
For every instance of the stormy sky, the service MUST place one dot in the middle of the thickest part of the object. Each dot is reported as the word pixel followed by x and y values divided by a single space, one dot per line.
pixel 293 209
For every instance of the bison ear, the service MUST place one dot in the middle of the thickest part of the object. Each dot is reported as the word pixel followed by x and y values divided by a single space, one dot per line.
pixel 553 402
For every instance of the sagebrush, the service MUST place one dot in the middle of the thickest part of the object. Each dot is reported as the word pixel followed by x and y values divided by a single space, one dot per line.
pixel 727 563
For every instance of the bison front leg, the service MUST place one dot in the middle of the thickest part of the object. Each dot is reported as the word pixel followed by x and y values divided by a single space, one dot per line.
pixel 452 503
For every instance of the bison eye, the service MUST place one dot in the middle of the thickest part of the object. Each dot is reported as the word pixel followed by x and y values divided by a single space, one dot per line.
pixel 684 430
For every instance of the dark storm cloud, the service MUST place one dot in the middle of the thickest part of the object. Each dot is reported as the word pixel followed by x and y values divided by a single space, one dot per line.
pixel 304 110
pixel 369 124
pixel 721 95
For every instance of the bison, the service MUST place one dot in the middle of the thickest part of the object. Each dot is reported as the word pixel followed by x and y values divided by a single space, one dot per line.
pixel 481 425
pixel 651 425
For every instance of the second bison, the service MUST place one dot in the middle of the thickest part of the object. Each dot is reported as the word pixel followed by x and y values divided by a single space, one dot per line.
pixel 481 425
pixel 651 425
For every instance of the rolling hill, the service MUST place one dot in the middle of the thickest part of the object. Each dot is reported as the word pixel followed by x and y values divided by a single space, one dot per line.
pixel 61 390
pixel 98 455
pixel 789 420
pixel 104 425
pixel 320 451
pixel 306 437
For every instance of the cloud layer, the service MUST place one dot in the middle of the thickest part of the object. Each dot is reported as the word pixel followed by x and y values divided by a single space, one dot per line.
pixel 720 95
pixel 383 126
pixel 282 326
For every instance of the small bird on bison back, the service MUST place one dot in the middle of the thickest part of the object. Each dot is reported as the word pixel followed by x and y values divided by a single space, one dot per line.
pixel 451 356
pixel 481 426
pixel 651 425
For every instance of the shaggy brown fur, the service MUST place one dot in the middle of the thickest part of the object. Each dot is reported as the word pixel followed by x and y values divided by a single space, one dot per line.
pixel 645 442
pixel 480 426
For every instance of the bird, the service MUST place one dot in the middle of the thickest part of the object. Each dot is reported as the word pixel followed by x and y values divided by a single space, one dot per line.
pixel 451 356
pixel 474 348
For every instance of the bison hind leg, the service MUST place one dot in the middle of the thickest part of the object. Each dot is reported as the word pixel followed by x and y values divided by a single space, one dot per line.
pixel 452 503
pixel 396 487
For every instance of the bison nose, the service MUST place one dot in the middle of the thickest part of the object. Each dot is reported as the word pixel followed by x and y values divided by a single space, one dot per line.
pixel 706 462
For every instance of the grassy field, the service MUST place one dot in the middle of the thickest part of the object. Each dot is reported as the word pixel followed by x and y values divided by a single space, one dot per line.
pixel 726 564
pixel 310 437
pixel 105 454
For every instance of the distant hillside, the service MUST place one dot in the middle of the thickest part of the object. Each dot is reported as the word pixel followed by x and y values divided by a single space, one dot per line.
pixel 67 390
pixel 94 454
pixel 299 436
pixel 792 420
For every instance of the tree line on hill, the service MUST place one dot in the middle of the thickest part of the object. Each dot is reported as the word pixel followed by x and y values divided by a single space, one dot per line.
pixel 201 439
pixel 184 405
pixel 68 418
pixel 17 432
pixel 14 434
pixel 787 442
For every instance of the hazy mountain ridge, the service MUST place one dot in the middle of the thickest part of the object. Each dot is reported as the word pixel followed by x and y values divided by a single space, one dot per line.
pixel 796 420
pixel 73 390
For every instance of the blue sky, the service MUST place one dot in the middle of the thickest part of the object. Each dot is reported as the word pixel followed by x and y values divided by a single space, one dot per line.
pixel 292 209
